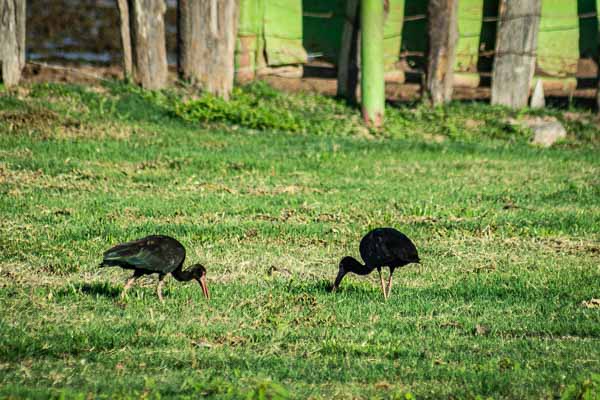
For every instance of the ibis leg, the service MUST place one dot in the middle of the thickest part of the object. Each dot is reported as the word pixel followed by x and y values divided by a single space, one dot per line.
pixel 382 284
pixel 159 287
pixel 389 285
pixel 129 284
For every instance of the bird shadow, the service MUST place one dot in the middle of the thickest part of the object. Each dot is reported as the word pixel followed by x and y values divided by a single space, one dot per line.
pixel 324 286
pixel 98 289
pixel 298 286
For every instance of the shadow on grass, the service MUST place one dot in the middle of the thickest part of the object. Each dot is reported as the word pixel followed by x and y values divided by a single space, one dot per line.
pixel 95 289
pixel 100 289
pixel 134 104
pixel 312 286
pixel 325 286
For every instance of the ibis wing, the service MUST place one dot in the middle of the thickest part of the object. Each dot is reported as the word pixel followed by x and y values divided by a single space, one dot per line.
pixel 386 245
pixel 374 249
pixel 143 253
pixel 402 247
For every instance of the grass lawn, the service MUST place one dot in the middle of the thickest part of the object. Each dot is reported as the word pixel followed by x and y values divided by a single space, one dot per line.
pixel 269 193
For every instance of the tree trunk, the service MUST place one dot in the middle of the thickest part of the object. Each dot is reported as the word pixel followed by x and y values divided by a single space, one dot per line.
pixel 516 44
pixel 372 83
pixel 443 34
pixel 207 34
pixel 347 68
pixel 125 38
pixel 148 43
pixel 12 40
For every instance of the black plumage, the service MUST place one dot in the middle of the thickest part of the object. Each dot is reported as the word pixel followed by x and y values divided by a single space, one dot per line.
pixel 381 247
pixel 156 254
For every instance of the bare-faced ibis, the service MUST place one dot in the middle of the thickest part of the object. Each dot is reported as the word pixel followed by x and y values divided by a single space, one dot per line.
pixel 154 254
pixel 382 247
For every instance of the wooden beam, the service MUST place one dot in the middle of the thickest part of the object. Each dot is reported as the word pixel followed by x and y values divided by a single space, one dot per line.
pixel 207 35
pixel 348 64
pixel 148 43
pixel 442 30
pixel 125 39
pixel 372 83
pixel 516 44
pixel 12 40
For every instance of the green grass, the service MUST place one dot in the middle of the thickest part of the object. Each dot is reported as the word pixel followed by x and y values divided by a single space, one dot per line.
pixel 509 235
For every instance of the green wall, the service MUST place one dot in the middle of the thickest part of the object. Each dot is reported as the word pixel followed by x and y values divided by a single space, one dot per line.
pixel 323 24
pixel 282 32
pixel 558 39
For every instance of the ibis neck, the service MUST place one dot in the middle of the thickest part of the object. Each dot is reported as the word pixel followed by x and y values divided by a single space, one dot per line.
pixel 350 264
pixel 356 267
pixel 181 275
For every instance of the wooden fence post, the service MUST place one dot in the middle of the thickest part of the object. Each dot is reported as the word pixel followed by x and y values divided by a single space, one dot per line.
pixel 189 17
pixel 372 83
pixel 442 29
pixel 12 40
pixel 516 44
pixel 347 68
pixel 207 35
pixel 125 38
pixel 148 43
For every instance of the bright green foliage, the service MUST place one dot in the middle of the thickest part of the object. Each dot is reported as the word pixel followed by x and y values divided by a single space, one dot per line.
pixel 260 108
pixel 501 307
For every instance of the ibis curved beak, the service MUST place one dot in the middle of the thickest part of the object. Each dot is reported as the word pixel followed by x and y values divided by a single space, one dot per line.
pixel 338 279
pixel 204 286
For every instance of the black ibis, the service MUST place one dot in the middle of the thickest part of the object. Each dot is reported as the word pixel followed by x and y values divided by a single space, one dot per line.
pixel 382 247
pixel 154 254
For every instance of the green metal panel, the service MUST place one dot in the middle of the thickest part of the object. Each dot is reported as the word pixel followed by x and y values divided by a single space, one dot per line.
pixel 283 32
pixel 250 18
pixel 470 13
pixel 249 33
pixel 392 34
pixel 414 34
pixel 287 29
pixel 272 28
pixel 323 24
pixel 557 51
pixel 588 27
